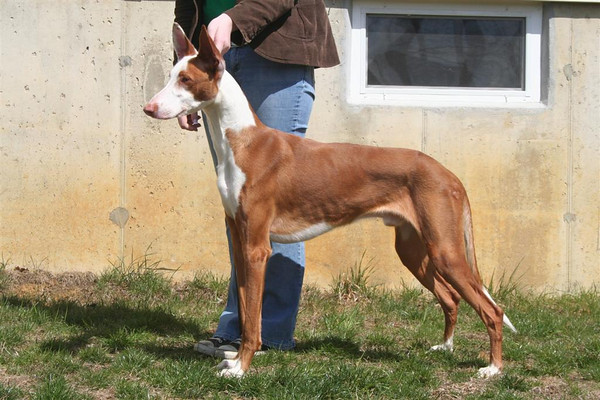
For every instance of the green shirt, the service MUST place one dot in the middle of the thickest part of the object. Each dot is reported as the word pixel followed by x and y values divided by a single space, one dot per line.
pixel 214 8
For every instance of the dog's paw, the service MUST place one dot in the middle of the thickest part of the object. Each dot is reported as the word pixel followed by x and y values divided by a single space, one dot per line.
pixel 442 347
pixel 448 345
pixel 231 369
pixel 488 371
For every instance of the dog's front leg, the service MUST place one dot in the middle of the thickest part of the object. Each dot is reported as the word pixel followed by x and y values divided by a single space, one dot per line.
pixel 251 252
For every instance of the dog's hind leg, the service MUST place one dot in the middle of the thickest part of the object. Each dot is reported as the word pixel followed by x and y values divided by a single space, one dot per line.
pixel 413 254
pixel 446 230
pixel 448 299
pixel 452 265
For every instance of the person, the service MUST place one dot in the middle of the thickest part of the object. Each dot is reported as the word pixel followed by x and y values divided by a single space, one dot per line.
pixel 271 47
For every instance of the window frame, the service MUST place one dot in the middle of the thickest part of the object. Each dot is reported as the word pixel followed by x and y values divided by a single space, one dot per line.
pixel 360 93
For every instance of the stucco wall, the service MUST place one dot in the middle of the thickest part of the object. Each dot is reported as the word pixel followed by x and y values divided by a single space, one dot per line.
pixel 75 146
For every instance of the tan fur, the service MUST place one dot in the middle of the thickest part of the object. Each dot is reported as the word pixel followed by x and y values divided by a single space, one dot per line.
pixel 292 184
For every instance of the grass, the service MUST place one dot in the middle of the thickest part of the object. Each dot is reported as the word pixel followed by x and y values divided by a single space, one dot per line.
pixel 131 335
pixel 354 284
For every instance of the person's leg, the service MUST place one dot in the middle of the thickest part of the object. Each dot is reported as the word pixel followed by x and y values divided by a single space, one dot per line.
pixel 282 97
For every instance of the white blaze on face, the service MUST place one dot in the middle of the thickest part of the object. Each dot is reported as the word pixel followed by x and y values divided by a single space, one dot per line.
pixel 174 99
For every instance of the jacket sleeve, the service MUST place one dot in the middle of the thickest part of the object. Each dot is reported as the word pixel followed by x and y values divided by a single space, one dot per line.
pixel 252 16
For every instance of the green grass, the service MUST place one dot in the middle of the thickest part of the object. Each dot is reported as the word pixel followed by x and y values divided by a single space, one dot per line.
pixel 134 340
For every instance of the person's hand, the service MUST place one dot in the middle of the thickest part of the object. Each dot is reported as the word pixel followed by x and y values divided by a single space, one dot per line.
pixel 219 29
pixel 189 122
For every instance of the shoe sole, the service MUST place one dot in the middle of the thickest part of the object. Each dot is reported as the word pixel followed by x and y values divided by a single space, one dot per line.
pixel 220 353
pixel 225 354
pixel 230 355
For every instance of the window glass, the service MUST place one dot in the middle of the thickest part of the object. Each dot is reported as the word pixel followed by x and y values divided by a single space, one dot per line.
pixel 445 51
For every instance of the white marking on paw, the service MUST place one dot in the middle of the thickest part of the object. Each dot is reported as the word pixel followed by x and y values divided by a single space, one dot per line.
pixel 488 371
pixel 448 345
pixel 231 368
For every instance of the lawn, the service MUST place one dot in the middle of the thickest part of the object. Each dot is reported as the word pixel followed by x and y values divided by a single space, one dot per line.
pixel 129 333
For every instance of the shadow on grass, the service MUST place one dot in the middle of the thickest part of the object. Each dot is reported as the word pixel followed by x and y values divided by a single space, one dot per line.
pixel 346 347
pixel 116 326
pixel 352 350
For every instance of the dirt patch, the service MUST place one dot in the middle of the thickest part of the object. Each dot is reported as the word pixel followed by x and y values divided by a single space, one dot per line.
pixel 22 382
pixel 80 288
pixel 548 387
pixel 451 391
pixel 552 387
pixel 77 287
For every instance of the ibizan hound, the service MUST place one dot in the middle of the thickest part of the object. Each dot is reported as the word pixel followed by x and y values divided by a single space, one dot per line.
pixel 276 186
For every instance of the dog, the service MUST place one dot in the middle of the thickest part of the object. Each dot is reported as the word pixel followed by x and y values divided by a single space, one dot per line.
pixel 279 187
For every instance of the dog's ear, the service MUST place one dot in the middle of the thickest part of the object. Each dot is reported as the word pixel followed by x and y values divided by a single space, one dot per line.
pixel 182 45
pixel 209 54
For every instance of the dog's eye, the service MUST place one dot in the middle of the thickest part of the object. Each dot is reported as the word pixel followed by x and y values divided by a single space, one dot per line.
pixel 184 79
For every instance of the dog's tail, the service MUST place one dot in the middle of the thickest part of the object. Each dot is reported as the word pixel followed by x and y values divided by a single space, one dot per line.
pixel 471 259
pixel 468 236
pixel 505 318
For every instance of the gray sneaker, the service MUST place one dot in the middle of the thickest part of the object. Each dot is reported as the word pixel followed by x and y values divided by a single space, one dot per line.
pixel 209 347
pixel 221 348
pixel 228 351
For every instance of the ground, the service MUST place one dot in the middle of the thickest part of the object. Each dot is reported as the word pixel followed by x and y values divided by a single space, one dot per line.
pixel 110 352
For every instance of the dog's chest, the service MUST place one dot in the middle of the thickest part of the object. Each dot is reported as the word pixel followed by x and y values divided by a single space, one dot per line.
pixel 230 180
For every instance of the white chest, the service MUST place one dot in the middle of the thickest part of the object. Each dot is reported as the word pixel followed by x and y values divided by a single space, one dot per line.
pixel 228 112
pixel 230 180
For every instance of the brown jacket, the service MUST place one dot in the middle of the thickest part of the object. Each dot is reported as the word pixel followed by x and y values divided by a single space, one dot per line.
pixel 285 31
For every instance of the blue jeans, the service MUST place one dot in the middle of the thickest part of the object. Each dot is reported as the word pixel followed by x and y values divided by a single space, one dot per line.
pixel 282 96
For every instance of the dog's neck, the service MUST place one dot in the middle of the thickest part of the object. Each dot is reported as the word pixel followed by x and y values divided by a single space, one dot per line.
pixel 228 112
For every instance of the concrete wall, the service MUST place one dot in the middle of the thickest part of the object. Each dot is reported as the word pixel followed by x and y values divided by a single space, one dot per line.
pixel 88 178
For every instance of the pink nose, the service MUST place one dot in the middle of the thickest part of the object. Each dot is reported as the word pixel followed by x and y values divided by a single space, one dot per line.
pixel 151 109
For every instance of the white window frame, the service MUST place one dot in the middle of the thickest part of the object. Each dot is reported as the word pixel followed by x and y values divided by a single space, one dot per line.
pixel 360 93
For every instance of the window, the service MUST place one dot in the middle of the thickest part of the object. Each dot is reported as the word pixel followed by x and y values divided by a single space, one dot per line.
pixel 437 54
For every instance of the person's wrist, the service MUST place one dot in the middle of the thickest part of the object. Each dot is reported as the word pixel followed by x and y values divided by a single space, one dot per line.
pixel 219 29
pixel 234 27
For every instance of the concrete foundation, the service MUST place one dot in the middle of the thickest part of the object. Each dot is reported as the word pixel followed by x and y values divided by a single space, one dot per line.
pixel 87 178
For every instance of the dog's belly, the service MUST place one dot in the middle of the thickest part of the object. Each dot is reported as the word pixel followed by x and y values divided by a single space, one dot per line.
pixel 300 235
pixel 288 233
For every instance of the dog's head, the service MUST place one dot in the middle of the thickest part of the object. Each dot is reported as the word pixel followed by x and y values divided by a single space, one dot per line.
pixel 194 80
